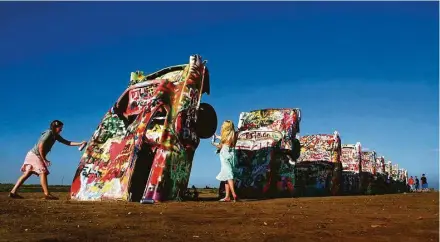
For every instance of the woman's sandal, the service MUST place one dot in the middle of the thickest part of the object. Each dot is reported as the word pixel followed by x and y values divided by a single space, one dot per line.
pixel 15 195
pixel 235 198
pixel 225 200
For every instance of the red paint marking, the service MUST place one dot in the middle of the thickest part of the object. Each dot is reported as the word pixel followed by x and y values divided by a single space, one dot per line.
pixel 116 148
pixel 157 168
pixel 76 184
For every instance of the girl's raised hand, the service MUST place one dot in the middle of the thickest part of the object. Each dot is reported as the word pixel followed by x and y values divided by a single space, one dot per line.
pixel 214 137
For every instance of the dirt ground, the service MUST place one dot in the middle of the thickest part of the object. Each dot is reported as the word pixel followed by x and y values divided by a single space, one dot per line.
pixel 399 217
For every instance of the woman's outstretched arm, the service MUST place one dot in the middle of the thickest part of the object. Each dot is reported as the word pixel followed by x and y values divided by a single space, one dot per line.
pixel 77 143
pixel 69 143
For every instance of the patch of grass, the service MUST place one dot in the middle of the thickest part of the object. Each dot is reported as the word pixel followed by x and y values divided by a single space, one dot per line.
pixel 34 188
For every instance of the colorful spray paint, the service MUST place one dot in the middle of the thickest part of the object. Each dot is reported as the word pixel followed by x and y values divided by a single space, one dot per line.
pixel 351 167
pixel 369 162
pixel 380 177
pixel 368 171
pixel 144 146
pixel 380 165
pixel 395 172
pixel 319 167
pixel 266 142
pixel 388 168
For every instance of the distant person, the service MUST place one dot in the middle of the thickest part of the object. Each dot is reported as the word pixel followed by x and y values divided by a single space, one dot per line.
pixel 417 183
pixel 195 193
pixel 424 182
pixel 36 161
pixel 411 184
pixel 227 158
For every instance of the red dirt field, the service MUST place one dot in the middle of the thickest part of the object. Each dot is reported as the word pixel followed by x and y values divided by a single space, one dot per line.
pixel 399 217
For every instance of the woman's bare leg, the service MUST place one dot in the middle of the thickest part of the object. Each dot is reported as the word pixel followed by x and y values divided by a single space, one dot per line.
pixel 231 187
pixel 20 181
pixel 43 181
pixel 226 190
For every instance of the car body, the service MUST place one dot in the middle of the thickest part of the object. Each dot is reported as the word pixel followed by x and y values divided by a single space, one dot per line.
pixel 351 167
pixel 144 146
pixel 319 167
pixel 395 172
pixel 373 176
pixel 388 168
pixel 380 176
pixel 402 175
pixel 369 162
pixel 400 182
pixel 266 141
pixel 368 171
pixel 380 165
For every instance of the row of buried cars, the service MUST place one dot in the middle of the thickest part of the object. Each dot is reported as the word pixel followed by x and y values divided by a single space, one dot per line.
pixel 143 148
pixel 273 162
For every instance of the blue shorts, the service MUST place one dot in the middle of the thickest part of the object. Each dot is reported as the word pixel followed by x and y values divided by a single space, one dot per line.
pixel 424 186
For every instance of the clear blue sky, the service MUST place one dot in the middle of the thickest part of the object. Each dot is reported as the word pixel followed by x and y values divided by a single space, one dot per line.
pixel 368 70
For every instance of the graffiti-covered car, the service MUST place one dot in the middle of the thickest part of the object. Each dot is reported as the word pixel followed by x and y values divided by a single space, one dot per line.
pixel 380 165
pixel 144 146
pixel 368 174
pixel 388 168
pixel 351 165
pixel 319 168
pixel 400 179
pixel 266 148
pixel 380 175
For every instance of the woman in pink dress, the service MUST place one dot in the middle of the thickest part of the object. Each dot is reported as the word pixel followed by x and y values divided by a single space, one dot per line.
pixel 36 161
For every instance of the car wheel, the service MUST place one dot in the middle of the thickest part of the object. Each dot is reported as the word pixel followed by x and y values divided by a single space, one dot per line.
pixel 206 121
pixel 296 149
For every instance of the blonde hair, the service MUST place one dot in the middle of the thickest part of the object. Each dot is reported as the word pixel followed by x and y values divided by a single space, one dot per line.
pixel 227 134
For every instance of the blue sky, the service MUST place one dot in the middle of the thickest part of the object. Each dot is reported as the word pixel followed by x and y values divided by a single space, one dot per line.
pixel 366 69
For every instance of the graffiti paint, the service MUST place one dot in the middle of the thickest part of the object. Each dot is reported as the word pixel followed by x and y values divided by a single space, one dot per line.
pixel 388 167
pixel 265 138
pixel 144 145
pixel 351 158
pixel 401 175
pixel 380 165
pixel 320 147
pixel 319 166
pixel 395 172
pixel 369 162
pixel 351 182
pixel 351 165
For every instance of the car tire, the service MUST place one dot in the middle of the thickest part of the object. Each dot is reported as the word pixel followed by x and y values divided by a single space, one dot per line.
pixel 296 149
pixel 206 121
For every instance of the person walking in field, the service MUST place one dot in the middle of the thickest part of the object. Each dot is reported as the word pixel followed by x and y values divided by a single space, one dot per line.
pixel 36 161
pixel 417 184
pixel 227 158
pixel 411 184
